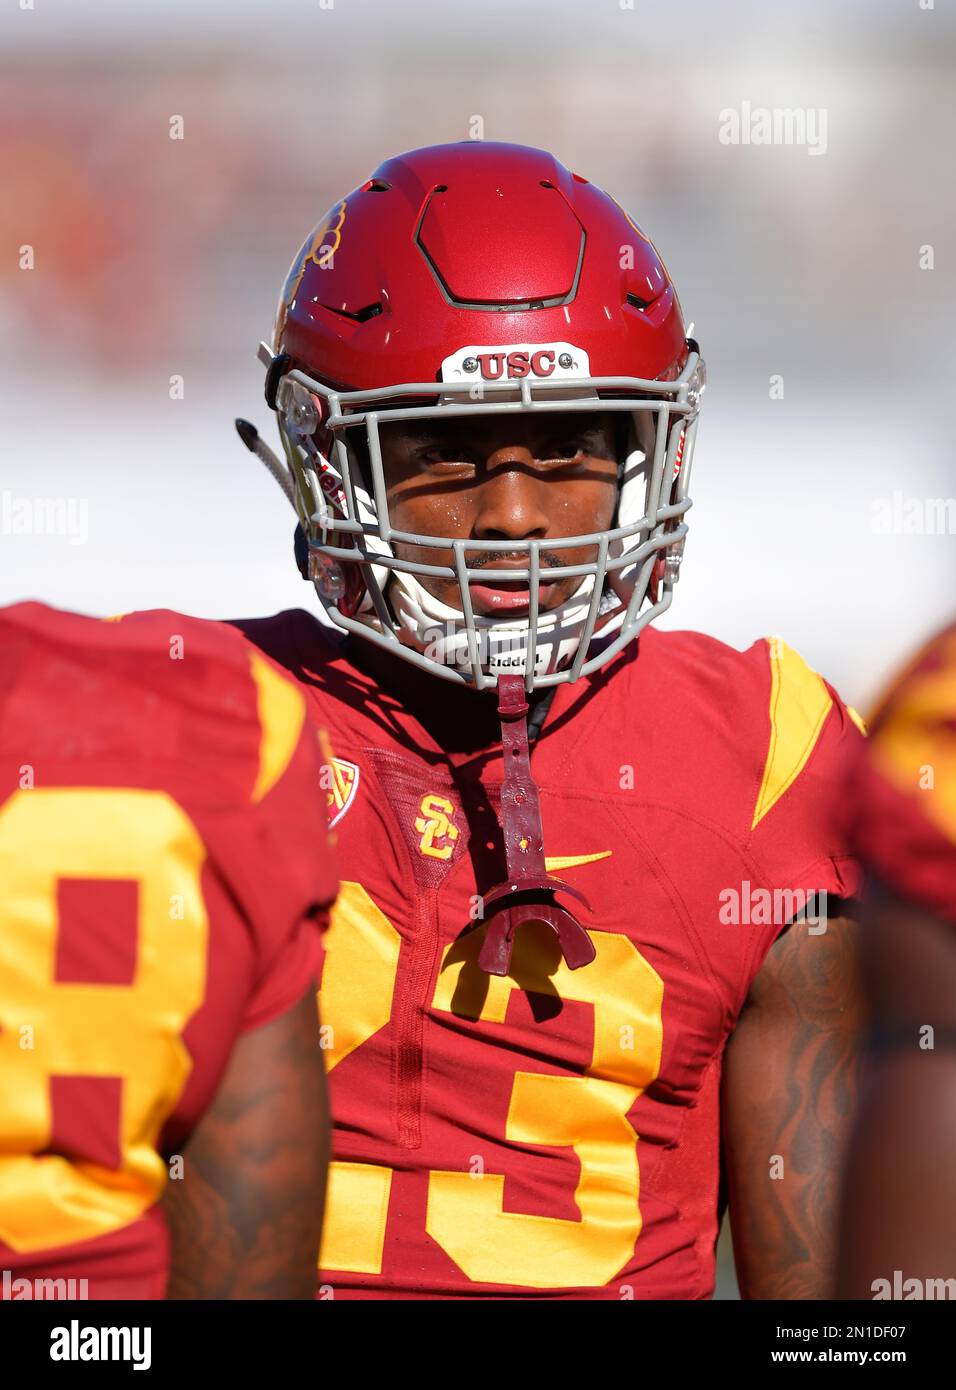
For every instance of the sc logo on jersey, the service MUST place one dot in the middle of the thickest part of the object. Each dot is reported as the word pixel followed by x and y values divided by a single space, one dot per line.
pixel 435 823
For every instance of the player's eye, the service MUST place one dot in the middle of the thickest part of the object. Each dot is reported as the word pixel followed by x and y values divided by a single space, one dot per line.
pixel 590 442
pixel 443 455
pixel 562 450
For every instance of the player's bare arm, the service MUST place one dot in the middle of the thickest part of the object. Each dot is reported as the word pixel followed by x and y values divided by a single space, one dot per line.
pixel 246 1218
pixel 789 1086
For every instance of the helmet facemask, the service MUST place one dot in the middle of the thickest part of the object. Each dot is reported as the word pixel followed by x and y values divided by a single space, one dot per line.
pixel 364 587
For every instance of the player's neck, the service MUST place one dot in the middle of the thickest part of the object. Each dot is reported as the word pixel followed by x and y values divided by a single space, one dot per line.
pixel 456 716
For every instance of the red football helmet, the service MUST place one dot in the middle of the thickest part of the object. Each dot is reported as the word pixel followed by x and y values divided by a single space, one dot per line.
pixel 481 277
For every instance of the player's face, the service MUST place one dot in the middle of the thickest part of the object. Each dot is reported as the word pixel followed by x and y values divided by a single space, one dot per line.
pixel 506 478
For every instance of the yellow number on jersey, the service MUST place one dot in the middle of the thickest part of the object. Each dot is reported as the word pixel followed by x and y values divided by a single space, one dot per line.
pixel 588 1113
pixel 126 1031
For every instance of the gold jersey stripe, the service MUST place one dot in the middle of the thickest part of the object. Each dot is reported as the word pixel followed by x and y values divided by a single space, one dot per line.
pixel 857 718
pixel 281 716
pixel 799 705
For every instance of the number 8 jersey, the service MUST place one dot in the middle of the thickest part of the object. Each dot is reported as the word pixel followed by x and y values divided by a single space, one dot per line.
pixel 164 881
pixel 554 1132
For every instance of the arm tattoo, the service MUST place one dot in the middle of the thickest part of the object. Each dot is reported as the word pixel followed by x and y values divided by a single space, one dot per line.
pixel 246 1218
pixel 791 1074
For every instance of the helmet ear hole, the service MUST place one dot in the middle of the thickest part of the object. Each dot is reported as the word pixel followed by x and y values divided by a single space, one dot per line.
pixel 301 551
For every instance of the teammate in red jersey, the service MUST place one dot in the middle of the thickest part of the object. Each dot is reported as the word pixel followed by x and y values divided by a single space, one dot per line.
pixel 902 796
pixel 165 882
pixel 562 971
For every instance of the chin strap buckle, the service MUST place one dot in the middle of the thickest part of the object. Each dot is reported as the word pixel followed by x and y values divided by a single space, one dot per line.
pixel 528 893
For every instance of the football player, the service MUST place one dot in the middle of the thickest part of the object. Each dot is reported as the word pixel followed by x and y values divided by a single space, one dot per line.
pixel 580 944
pixel 164 884
pixel 899 1229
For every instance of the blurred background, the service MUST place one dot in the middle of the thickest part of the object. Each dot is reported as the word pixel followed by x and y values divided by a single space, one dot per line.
pixel 822 276
pixel 156 258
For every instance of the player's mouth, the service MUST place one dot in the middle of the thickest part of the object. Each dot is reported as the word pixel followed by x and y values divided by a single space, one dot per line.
pixel 511 596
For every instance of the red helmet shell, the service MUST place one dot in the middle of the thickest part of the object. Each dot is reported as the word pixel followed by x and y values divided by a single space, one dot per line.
pixel 475 243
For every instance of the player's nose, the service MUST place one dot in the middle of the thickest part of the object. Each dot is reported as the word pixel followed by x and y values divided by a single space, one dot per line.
pixel 513 498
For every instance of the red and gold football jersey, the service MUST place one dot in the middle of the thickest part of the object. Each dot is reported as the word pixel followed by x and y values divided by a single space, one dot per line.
pixel 554 1133
pixel 164 882
pixel 902 792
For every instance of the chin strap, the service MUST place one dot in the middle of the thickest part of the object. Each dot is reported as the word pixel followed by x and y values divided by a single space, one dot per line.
pixel 528 894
